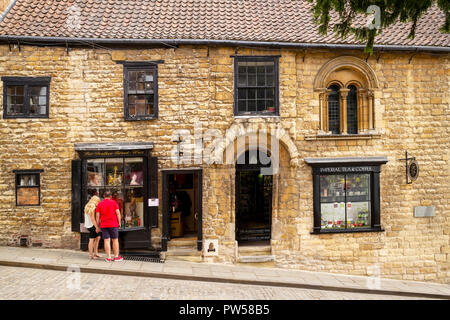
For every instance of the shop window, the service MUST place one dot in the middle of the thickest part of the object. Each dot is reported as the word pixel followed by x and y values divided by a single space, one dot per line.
pixel 256 86
pixel 346 194
pixel 26 97
pixel 124 178
pixel 28 187
pixel 141 91
pixel 345 201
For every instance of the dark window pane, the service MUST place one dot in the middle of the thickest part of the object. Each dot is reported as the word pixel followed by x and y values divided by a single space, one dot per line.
pixel 132 87
pixel 261 70
pixel 242 93
pixel 33 109
pixel 251 93
pixel 132 76
pixel 242 105
pixel 261 80
pixel 261 93
pixel 270 69
pixel 252 69
pixel 242 79
pixel 270 81
pixel 261 105
pixel 252 80
pixel 242 69
pixel 140 105
pixel 333 110
pixel 38 91
pixel 20 90
pixel 352 116
pixel 270 93
pixel 251 105
pixel 132 109
pixel 19 100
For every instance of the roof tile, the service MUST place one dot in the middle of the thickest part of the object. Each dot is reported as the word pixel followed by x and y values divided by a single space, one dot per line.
pixel 256 20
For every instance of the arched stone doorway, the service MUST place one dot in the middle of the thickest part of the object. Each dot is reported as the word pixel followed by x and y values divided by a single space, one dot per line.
pixel 254 189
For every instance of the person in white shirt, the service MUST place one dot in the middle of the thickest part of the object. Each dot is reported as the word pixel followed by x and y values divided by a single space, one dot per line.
pixel 92 225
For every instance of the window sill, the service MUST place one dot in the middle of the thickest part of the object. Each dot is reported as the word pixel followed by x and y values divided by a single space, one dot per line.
pixel 360 136
pixel 356 230
pixel 132 229
pixel 251 116
pixel 25 117
pixel 142 118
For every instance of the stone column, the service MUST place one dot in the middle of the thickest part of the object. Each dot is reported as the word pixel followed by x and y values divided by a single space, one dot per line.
pixel 370 100
pixel 323 108
pixel 343 114
pixel 362 97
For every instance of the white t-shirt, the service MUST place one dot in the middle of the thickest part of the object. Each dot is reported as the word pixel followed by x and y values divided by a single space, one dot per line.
pixel 90 207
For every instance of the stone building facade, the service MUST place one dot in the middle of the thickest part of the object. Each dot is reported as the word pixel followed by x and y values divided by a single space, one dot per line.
pixel 403 106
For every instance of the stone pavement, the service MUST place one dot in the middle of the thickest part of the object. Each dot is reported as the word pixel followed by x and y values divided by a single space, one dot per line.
pixel 63 260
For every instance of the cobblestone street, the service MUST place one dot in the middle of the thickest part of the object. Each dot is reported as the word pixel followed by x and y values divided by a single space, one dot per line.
pixel 30 284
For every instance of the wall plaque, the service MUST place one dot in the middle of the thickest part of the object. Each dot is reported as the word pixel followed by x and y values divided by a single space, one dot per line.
pixel 424 211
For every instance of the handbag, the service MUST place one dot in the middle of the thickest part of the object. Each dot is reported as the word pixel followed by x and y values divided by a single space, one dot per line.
pixel 83 229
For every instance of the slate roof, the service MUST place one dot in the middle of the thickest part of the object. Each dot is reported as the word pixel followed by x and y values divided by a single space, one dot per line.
pixel 281 21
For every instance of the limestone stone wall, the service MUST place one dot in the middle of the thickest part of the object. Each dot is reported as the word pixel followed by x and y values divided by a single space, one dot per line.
pixel 196 85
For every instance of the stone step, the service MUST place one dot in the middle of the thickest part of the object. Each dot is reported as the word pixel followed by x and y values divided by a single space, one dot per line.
pixel 185 258
pixel 182 243
pixel 254 250
pixel 256 259
pixel 183 253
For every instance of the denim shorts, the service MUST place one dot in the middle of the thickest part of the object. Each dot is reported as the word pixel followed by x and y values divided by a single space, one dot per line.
pixel 112 233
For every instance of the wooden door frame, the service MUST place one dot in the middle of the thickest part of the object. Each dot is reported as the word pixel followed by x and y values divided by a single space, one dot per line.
pixel 165 237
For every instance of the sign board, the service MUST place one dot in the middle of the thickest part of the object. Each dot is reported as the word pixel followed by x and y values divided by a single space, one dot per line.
pixel 346 169
pixel 424 211
pixel 211 248
pixel 153 202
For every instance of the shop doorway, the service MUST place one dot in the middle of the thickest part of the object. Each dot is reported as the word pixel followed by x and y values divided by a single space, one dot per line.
pixel 253 198
pixel 182 206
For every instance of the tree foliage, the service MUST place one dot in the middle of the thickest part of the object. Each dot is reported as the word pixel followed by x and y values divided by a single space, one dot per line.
pixel 390 11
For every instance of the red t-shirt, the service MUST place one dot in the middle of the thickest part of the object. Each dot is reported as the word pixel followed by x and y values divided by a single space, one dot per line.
pixel 108 217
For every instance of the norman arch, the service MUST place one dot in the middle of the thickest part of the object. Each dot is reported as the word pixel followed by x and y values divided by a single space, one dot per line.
pixel 346 93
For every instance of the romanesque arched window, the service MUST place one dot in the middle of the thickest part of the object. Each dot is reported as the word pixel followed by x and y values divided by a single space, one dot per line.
pixel 333 109
pixel 346 96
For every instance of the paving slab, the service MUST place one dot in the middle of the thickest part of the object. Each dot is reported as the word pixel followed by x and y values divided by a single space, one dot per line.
pixel 61 259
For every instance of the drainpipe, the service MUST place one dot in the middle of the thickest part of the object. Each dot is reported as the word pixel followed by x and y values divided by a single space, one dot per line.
pixel 174 42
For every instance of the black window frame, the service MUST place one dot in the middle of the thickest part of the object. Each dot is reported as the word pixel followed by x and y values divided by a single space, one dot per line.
pixel 320 168
pixel 334 110
pixel 271 58
pixel 26 82
pixel 140 66
pixel 37 173
pixel 100 155
pixel 352 110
